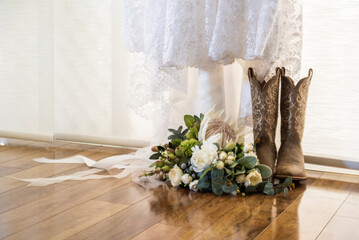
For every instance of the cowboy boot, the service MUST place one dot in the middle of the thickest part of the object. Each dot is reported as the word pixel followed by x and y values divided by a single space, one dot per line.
pixel 265 112
pixel 292 108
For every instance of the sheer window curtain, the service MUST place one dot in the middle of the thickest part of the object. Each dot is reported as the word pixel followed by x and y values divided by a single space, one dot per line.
pixel 64 74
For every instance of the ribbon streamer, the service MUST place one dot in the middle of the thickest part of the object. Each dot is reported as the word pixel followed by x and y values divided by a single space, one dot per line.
pixel 131 164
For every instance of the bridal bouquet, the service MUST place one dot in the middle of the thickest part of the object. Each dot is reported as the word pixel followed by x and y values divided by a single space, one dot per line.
pixel 210 155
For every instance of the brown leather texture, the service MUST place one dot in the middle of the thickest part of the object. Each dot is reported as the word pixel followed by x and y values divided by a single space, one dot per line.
pixel 265 112
pixel 292 109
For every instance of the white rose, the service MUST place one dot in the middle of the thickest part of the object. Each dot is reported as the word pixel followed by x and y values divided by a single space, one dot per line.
pixel 220 165
pixel 204 156
pixel 175 176
pixel 186 178
pixel 248 147
pixel 194 186
pixel 240 178
pixel 253 178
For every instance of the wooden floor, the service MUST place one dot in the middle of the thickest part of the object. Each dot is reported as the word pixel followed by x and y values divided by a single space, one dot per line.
pixel 326 207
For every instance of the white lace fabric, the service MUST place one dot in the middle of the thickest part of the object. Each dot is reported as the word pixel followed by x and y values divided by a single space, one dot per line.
pixel 172 35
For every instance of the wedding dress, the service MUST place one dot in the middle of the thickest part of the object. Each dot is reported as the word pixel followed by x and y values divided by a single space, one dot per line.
pixel 173 35
pixel 222 38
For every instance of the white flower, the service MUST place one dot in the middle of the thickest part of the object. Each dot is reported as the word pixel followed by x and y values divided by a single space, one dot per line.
pixel 229 162
pixel 220 165
pixel 194 186
pixel 204 156
pixel 186 178
pixel 248 147
pixel 223 155
pixel 253 178
pixel 175 176
pixel 240 178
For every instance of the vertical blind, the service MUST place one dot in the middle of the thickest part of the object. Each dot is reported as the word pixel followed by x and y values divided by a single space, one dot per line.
pixel 331 48
pixel 64 72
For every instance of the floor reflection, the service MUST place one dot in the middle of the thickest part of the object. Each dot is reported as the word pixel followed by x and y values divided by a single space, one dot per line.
pixel 229 217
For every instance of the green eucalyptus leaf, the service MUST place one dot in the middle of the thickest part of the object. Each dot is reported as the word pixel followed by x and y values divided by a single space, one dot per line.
pixel 248 162
pixel 217 173
pixel 288 181
pixel 279 190
pixel 204 182
pixel 217 186
pixel 153 164
pixel 264 170
pixel 201 116
pixel 269 192
pixel 268 186
pixel 229 187
pixel 285 192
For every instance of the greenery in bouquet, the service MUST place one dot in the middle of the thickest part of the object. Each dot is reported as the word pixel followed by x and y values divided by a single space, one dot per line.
pixel 210 155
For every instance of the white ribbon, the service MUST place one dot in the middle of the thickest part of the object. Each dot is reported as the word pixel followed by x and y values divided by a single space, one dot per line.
pixel 134 164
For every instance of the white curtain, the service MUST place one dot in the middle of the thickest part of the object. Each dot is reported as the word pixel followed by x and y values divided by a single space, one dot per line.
pixel 331 48
pixel 64 73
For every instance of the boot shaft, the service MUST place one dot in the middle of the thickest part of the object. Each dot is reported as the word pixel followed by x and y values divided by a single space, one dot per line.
pixel 293 105
pixel 264 105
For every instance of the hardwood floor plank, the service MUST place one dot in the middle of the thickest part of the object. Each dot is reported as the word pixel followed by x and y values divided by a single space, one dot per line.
pixel 127 194
pixel 309 214
pixel 53 153
pixel 160 231
pixel 136 218
pixel 23 195
pixel 6 170
pixel 246 217
pixel 200 210
pixel 70 222
pixel 341 228
pixel 18 152
pixel 350 207
pixel 22 217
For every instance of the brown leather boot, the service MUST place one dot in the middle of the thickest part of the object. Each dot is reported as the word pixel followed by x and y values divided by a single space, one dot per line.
pixel 265 112
pixel 292 108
